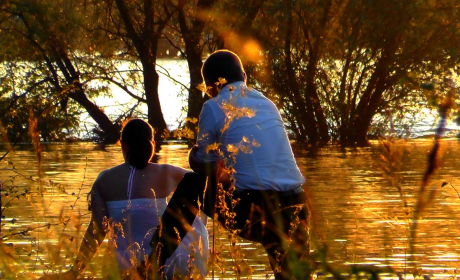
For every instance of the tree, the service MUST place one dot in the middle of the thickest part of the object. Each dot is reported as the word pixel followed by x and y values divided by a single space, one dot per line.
pixel 45 33
pixel 80 42
pixel 200 27
pixel 388 48
pixel 191 18
pixel 334 68
pixel 139 25
pixel 39 100
pixel 335 65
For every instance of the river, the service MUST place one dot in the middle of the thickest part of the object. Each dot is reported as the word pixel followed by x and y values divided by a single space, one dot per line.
pixel 357 201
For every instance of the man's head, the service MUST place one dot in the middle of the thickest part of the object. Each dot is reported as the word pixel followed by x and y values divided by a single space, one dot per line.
pixel 223 64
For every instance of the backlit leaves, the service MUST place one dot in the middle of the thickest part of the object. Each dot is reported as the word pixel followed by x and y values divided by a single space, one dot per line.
pixel 212 147
pixel 245 146
pixel 233 111
pixel 203 88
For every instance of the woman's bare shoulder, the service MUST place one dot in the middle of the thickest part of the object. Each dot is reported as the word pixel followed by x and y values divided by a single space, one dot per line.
pixel 109 175
pixel 168 168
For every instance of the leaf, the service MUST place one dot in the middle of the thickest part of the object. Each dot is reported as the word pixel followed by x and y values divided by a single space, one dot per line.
pixel 202 87
pixel 212 147
pixel 232 149
pixel 222 81
pixel 191 120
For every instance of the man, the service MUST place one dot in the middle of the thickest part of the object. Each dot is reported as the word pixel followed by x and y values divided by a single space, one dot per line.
pixel 258 193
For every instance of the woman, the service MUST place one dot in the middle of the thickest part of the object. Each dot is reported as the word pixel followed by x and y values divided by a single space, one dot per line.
pixel 130 199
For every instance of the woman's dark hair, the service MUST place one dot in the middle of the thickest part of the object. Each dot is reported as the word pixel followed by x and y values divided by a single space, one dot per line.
pixel 138 135
pixel 223 64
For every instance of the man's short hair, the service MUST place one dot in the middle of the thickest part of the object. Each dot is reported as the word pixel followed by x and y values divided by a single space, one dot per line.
pixel 223 64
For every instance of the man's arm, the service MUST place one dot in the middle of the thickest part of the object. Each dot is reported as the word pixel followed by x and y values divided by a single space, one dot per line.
pixel 208 168
pixel 200 166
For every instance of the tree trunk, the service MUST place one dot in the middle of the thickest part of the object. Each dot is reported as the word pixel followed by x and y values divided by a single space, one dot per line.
pixel 303 115
pixel 311 97
pixel 58 54
pixel 154 112
pixel 193 51
pixel 145 42
pixel 111 131
pixel 195 98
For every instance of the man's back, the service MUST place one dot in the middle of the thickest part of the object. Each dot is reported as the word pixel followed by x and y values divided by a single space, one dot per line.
pixel 252 138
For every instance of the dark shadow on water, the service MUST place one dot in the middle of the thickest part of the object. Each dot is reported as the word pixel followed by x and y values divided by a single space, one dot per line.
pixel 305 150
pixel 100 147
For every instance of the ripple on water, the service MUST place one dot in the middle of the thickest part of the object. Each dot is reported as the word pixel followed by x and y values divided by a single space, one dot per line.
pixel 357 209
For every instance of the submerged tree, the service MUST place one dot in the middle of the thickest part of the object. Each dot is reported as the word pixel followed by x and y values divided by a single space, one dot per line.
pixel 46 35
pixel 334 68
pixel 388 49
pixel 191 18
pixel 139 25
pixel 31 98
pixel 335 65
pixel 79 48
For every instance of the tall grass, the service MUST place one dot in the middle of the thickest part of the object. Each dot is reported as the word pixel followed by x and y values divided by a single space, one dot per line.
pixel 47 239
pixel 49 244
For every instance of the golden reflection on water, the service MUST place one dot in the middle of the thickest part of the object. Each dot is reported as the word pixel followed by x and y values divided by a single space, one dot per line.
pixel 357 209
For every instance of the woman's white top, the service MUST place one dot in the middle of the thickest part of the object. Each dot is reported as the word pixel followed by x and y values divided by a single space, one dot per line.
pixel 135 221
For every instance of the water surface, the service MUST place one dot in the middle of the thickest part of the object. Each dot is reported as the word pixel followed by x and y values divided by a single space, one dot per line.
pixel 357 197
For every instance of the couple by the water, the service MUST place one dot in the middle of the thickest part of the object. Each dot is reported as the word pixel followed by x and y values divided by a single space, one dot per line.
pixel 244 173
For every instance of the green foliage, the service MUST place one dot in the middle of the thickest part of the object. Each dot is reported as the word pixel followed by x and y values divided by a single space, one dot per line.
pixel 336 69
pixel 336 66
pixel 56 121
pixel 56 42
